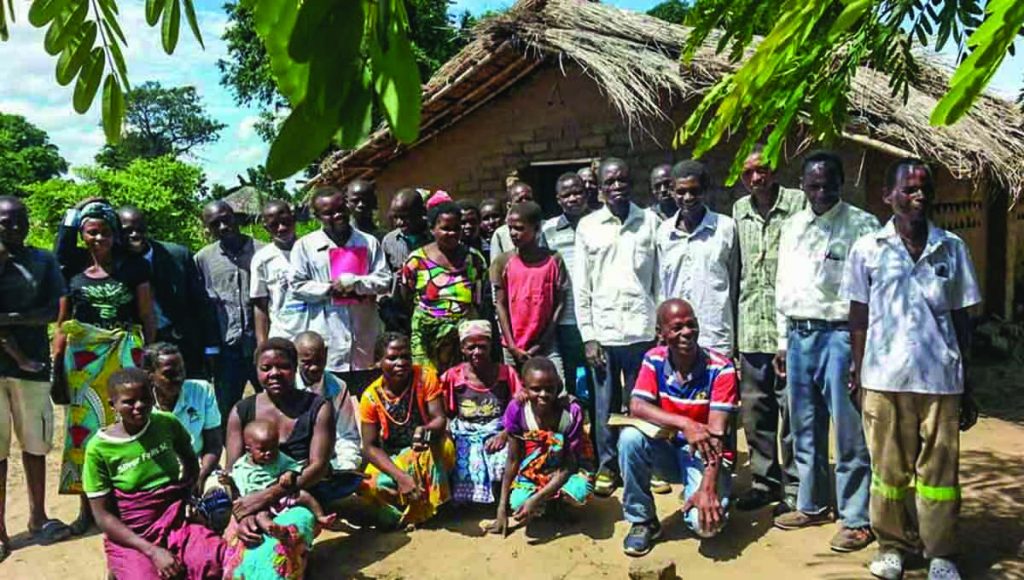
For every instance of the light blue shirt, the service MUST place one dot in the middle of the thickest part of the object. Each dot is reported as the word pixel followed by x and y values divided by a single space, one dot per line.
pixel 197 410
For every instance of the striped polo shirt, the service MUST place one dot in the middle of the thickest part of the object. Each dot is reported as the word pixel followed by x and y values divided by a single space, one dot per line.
pixel 710 385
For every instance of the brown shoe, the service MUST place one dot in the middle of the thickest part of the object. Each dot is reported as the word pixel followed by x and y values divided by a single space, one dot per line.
pixel 851 539
pixel 797 519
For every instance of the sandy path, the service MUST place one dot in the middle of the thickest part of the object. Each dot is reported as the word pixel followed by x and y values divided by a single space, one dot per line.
pixel 992 531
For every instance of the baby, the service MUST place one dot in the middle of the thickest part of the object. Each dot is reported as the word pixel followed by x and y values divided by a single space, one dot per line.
pixel 264 465
pixel 7 342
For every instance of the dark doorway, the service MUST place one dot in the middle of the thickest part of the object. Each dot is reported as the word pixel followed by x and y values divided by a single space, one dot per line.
pixel 543 175
pixel 996 238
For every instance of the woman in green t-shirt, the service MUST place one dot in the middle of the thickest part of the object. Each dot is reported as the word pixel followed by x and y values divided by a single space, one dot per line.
pixel 138 474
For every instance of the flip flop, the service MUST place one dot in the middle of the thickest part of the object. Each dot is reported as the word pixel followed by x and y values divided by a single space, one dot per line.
pixel 50 532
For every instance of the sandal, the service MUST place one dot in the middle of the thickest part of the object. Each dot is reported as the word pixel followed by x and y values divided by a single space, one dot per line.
pixel 50 532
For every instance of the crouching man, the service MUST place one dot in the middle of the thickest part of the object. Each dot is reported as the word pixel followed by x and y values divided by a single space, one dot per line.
pixel 691 392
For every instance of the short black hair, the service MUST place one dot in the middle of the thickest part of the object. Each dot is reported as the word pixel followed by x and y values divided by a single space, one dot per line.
pixel 385 339
pixel 692 168
pixel 322 192
pixel 608 162
pixel 127 376
pixel 281 345
pixel 893 172
pixel 566 177
pixel 309 336
pixel 529 212
pixel 468 205
pixel 276 203
pixel 828 158
pixel 152 353
pixel 541 364
pixel 443 208
pixel 493 202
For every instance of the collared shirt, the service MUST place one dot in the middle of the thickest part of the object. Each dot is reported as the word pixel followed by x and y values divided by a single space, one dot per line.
pixel 270 272
pixel 196 410
pixel 911 343
pixel 759 246
pixel 812 256
pixel 655 208
pixel 162 321
pixel 561 237
pixel 226 277
pixel 616 275
pixel 29 282
pixel 350 329
pixel 397 247
pixel 348 454
pixel 711 385
pixel 702 267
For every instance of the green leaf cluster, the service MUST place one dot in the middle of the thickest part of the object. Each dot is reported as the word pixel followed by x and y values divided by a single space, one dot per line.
pixel 803 68
pixel 26 155
pixel 169 192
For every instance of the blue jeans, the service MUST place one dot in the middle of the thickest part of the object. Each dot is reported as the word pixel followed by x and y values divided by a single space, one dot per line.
pixel 640 457
pixel 613 386
pixel 818 373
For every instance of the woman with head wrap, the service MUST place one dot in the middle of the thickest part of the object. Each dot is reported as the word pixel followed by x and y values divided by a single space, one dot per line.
pixel 103 320
pixel 476 393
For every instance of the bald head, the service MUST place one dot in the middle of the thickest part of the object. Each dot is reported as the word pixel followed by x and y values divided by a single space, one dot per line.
pixel 310 340
pixel 408 212
pixel 673 307
pixel 260 430
pixel 520 192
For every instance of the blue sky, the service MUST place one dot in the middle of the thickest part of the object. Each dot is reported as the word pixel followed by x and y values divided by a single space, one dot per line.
pixel 29 89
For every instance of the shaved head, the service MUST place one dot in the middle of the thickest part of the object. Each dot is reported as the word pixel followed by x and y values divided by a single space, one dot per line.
pixel 673 306
pixel 309 339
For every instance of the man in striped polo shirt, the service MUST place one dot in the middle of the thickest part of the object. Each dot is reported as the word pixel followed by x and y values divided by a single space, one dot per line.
pixel 691 392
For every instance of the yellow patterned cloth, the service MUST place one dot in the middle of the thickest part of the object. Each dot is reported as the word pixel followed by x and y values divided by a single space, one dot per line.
pixel 394 510
pixel 91 356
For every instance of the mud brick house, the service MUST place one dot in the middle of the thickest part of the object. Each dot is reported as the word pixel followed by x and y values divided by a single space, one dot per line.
pixel 551 85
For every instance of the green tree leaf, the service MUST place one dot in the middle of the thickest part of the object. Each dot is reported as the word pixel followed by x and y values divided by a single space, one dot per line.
pixel 113 109
pixel 357 112
pixel 302 137
pixel 190 15
pixel 43 11
pixel 154 8
pixel 396 78
pixel 89 81
pixel 65 27
pixel 171 25
pixel 76 54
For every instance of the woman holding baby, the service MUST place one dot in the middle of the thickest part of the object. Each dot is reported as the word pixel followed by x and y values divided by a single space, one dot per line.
pixel 279 447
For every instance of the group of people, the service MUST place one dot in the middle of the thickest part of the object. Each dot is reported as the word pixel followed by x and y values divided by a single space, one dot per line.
pixel 481 353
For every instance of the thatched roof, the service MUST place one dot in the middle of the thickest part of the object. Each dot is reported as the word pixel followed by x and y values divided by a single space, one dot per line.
pixel 246 199
pixel 634 59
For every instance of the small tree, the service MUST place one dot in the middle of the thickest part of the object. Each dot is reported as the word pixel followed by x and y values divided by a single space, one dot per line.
pixel 26 155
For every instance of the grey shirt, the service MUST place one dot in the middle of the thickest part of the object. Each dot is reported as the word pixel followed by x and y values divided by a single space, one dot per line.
pixel 30 284
pixel 226 278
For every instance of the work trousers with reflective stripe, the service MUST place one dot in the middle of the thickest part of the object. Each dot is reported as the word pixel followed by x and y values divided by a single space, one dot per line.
pixel 914 442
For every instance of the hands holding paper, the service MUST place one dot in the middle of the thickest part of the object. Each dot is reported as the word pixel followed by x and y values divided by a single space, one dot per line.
pixel 344 286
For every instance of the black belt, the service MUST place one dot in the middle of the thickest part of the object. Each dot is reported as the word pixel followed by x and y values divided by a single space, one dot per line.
pixel 811 324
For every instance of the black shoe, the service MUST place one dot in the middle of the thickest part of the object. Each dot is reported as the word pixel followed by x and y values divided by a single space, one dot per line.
pixel 755 499
pixel 641 537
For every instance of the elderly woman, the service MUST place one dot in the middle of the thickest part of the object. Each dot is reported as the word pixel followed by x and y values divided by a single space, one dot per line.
pixel 445 279
pixel 103 319
pixel 306 425
pixel 137 475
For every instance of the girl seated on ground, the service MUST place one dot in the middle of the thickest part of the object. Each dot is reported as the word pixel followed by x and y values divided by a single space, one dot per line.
pixel 549 455
pixel 262 466
pixel 402 421
pixel 138 473
pixel 476 394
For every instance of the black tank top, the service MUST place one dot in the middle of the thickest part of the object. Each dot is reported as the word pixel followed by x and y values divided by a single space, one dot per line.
pixel 297 445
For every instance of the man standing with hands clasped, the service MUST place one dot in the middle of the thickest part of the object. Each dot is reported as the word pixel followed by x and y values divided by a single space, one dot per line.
pixel 909 286
pixel 814 354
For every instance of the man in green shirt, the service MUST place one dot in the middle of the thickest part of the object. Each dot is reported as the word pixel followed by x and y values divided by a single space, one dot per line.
pixel 759 217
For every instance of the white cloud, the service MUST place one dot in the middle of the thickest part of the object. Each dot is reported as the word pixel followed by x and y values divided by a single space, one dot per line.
pixel 246 127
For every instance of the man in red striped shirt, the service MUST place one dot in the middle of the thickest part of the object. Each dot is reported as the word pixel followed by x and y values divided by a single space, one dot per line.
pixel 691 391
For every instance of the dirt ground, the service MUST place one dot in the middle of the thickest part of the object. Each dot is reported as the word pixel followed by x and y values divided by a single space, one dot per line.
pixel 992 531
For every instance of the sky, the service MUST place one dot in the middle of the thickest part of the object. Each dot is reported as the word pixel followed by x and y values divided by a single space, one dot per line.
pixel 28 87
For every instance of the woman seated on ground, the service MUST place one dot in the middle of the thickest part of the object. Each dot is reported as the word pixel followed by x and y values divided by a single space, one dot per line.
pixel 476 393
pixel 402 419
pixel 549 455
pixel 138 474
pixel 305 423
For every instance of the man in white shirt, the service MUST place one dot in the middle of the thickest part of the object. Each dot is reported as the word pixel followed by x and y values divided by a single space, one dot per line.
pixel 276 313
pixel 698 258
pixel 814 354
pixel 909 286
pixel 342 304
pixel 615 285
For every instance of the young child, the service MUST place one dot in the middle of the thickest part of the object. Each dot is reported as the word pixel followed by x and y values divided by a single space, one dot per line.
pixel 264 465
pixel 529 285
pixel 549 455
pixel 492 217
pixel 477 392
pixel 7 341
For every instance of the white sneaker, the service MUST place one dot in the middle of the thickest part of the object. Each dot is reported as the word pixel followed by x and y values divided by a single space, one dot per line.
pixel 888 565
pixel 943 569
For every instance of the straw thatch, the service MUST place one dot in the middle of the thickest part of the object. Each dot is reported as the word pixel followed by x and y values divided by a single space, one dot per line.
pixel 634 59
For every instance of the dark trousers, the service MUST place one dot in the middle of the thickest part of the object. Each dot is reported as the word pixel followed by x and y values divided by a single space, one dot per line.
pixel 613 386
pixel 357 381
pixel 570 347
pixel 765 413
pixel 235 368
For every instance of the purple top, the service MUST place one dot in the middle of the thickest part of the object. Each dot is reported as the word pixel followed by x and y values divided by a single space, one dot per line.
pixel 519 419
